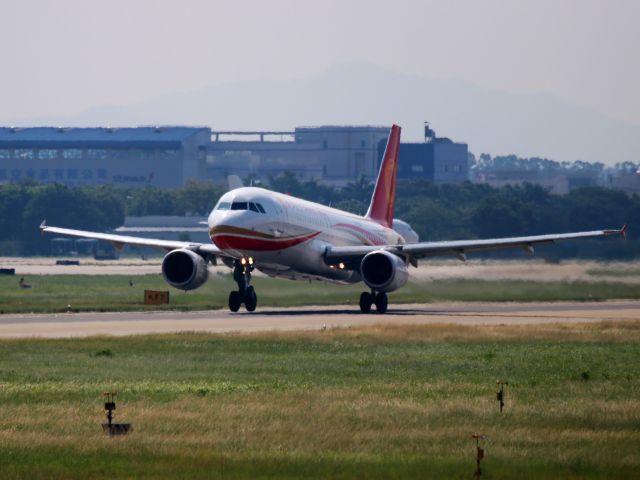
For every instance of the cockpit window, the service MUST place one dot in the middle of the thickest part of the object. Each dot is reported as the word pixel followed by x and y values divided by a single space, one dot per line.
pixel 239 206
pixel 253 206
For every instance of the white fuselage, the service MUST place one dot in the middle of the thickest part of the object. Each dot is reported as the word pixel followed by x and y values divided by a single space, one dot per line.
pixel 288 236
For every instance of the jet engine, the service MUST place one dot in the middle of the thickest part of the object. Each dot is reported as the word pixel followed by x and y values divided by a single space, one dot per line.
pixel 383 271
pixel 184 269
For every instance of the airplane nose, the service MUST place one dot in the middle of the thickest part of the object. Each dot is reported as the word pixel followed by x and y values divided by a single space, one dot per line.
pixel 234 218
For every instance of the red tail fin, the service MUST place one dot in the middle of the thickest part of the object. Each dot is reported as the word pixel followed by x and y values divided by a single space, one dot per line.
pixel 384 195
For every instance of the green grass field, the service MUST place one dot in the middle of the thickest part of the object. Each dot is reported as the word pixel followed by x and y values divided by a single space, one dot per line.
pixel 377 402
pixel 53 293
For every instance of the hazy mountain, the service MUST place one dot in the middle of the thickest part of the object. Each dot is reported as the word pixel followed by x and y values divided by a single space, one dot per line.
pixel 490 121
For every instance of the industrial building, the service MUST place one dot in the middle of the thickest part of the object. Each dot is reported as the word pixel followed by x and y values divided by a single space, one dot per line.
pixel 331 154
pixel 438 159
pixel 160 156
pixel 170 156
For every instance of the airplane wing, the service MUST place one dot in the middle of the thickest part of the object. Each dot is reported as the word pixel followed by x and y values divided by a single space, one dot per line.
pixel 119 241
pixel 457 248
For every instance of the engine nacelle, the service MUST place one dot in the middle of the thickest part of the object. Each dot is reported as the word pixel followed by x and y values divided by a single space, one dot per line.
pixel 184 269
pixel 383 271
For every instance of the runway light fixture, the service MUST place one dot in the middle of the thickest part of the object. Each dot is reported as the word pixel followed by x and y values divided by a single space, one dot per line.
pixel 500 394
pixel 479 453
pixel 111 428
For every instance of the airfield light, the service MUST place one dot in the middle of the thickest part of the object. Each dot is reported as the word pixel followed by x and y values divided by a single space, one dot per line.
pixel 479 453
pixel 111 428
pixel 110 405
pixel 500 394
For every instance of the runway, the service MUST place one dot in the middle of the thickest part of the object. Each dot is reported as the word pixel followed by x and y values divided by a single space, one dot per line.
pixel 310 318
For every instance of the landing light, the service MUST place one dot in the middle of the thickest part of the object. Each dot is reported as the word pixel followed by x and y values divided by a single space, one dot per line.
pixel 341 265
pixel 243 261
pixel 250 260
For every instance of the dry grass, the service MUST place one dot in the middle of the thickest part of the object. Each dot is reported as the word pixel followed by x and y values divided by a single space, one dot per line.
pixel 609 331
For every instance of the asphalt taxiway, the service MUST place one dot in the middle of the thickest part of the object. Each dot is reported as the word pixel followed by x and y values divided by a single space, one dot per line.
pixel 310 318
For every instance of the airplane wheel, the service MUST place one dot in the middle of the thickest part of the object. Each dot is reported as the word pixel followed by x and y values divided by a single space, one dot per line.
pixel 381 302
pixel 251 300
pixel 235 300
pixel 366 299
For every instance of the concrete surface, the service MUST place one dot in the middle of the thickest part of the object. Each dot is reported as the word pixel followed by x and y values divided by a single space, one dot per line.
pixel 310 318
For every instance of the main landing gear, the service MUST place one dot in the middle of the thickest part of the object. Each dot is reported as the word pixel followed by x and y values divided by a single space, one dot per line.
pixel 245 294
pixel 379 299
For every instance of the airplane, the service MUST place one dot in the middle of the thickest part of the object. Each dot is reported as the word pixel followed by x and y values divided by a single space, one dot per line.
pixel 283 236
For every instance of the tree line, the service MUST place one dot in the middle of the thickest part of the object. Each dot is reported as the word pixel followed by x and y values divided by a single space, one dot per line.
pixel 436 212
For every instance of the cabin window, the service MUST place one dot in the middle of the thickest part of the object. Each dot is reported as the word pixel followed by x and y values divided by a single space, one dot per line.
pixel 239 206
pixel 260 208
pixel 224 206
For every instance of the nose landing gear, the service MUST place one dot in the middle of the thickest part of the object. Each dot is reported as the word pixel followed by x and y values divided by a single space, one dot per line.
pixel 246 293
pixel 368 299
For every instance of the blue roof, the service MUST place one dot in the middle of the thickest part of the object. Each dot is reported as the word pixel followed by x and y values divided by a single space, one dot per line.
pixel 51 137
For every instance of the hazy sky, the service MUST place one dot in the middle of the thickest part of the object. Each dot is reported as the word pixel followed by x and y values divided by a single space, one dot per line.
pixel 61 57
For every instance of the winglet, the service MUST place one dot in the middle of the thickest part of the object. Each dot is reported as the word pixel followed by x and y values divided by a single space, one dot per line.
pixel 43 225
pixel 622 232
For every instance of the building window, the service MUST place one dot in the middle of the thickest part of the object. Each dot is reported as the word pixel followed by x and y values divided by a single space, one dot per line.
pixel 72 173
pixel 362 143
pixel 5 154
pixel 417 168
pixel 47 154
pixel 325 143
pixel 23 153
pixel 97 153
pixel 120 153
pixel 72 153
